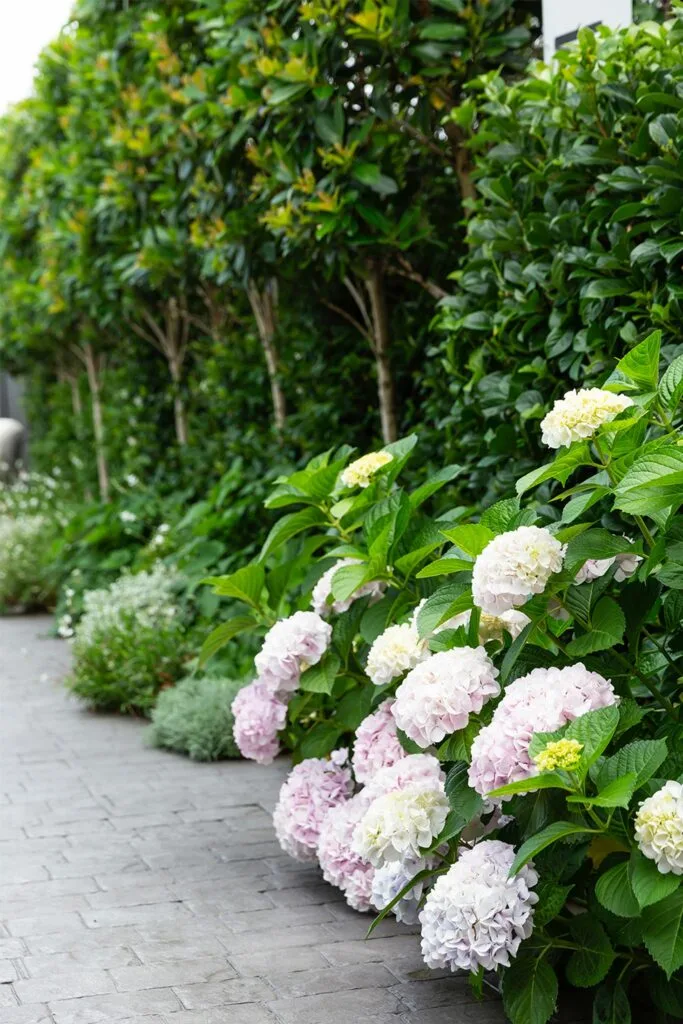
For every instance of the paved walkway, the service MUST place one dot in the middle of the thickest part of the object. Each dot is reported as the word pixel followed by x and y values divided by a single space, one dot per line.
pixel 138 887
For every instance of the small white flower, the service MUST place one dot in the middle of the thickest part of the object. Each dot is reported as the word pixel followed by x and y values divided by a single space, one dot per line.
pixel 513 567
pixel 394 652
pixel 659 828
pixel 361 472
pixel 128 517
pixel 580 414
pixel 132 480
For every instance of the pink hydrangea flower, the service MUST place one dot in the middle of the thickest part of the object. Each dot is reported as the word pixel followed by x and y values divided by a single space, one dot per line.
pixel 542 701
pixel 341 866
pixel 377 744
pixel 438 696
pixel 310 790
pixel 289 647
pixel 259 716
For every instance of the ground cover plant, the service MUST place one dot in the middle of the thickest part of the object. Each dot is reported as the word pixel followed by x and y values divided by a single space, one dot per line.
pixel 132 642
pixel 485 715
pixel 195 718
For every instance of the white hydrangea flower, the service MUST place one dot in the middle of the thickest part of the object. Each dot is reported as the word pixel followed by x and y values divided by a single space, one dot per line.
pixel 475 915
pixel 388 881
pixel 361 472
pixel 438 696
pixel 594 568
pixel 322 591
pixel 513 567
pixel 580 414
pixel 290 646
pixel 394 652
pixel 659 828
pixel 401 824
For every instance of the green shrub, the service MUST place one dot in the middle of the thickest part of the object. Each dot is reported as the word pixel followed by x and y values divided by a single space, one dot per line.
pixel 131 643
pixel 575 240
pixel 25 552
pixel 195 718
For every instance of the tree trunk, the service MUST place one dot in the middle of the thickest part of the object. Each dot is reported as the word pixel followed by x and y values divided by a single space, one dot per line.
pixel 264 307
pixel 179 410
pixel 382 341
pixel 93 367
pixel 462 163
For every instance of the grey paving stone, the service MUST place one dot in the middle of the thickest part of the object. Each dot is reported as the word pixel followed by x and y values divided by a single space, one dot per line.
pixel 27 1015
pixel 183 972
pixel 332 1009
pixel 172 950
pixel 65 983
pixel 243 1013
pixel 310 983
pixel 96 1009
pixel 240 990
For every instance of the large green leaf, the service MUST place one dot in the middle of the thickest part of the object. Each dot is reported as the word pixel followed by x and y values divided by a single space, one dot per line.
pixel 435 483
pixel 671 384
pixel 245 585
pixel 560 468
pixel 449 600
pixel 654 482
pixel 608 624
pixel 471 538
pixel 593 731
pixel 643 757
pixel 641 364
pixel 589 964
pixel 614 891
pixel 289 526
pixel 320 678
pixel 529 990
pixel 611 1005
pixel 222 635
pixel 552 833
pixel 615 794
pixel 649 884
pixel 663 932
pixel 464 801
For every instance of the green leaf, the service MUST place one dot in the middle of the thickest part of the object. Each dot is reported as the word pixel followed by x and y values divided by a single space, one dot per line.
pixel 593 730
pixel 654 482
pixel 589 965
pixel 320 678
pixel 471 538
pixel 608 624
pixel 615 794
pixel 370 175
pixel 647 881
pixel 321 740
pixel 498 517
pixel 671 384
pixel 642 757
pixel 606 288
pixel 464 801
pixel 546 780
pixel 289 526
pixel 449 600
pixel 458 746
pixel 663 932
pixel 408 887
pixel 443 567
pixel 348 579
pixel 435 483
pixel 222 635
pixel 597 544
pixel 641 364
pixel 560 468
pixel 245 585
pixel 551 900
pixel 550 834
pixel 613 890
pixel 611 1005
pixel 529 990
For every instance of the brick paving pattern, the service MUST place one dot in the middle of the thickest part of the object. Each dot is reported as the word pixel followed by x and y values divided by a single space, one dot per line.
pixel 138 887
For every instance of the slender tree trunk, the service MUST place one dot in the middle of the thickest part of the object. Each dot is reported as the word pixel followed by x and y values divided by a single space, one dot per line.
pixel 93 367
pixel 170 336
pixel 179 410
pixel 264 307
pixel 76 403
pixel 386 390
pixel 462 163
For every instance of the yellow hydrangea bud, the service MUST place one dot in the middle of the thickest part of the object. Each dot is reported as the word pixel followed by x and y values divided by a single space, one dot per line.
pixel 361 472
pixel 564 754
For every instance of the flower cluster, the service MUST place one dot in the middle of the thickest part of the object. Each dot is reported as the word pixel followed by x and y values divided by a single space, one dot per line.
pixel 361 472
pixel 289 647
pixel 513 567
pixel 542 701
pixel 259 716
pixel 310 790
pixel 579 414
pixel 393 876
pixel 322 591
pixel 476 915
pixel 394 652
pixel 563 754
pixel 341 865
pixel 491 627
pixel 659 828
pixel 438 696
pixel 149 596
pixel 377 744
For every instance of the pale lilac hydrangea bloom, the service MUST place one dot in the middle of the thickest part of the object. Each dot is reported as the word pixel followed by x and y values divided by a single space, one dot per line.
pixel 513 567
pixel 377 745
pixel 475 915
pixel 542 701
pixel 289 647
pixel 322 591
pixel 438 696
pixel 341 866
pixel 394 652
pixel 259 716
pixel 401 824
pixel 421 770
pixel 388 881
pixel 310 790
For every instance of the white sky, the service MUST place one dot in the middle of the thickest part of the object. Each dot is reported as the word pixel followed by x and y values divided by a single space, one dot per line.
pixel 27 27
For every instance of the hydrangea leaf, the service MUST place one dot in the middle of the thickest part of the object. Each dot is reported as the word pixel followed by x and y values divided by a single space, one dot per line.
pixel 614 892
pixel 611 1005
pixel 647 881
pixel 552 833
pixel 663 931
pixel 589 964
pixel 223 634
pixel 529 990
pixel 320 678
pixel 643 757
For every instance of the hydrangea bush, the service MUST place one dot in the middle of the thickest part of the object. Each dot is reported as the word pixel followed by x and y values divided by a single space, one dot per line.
pixel 485 715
